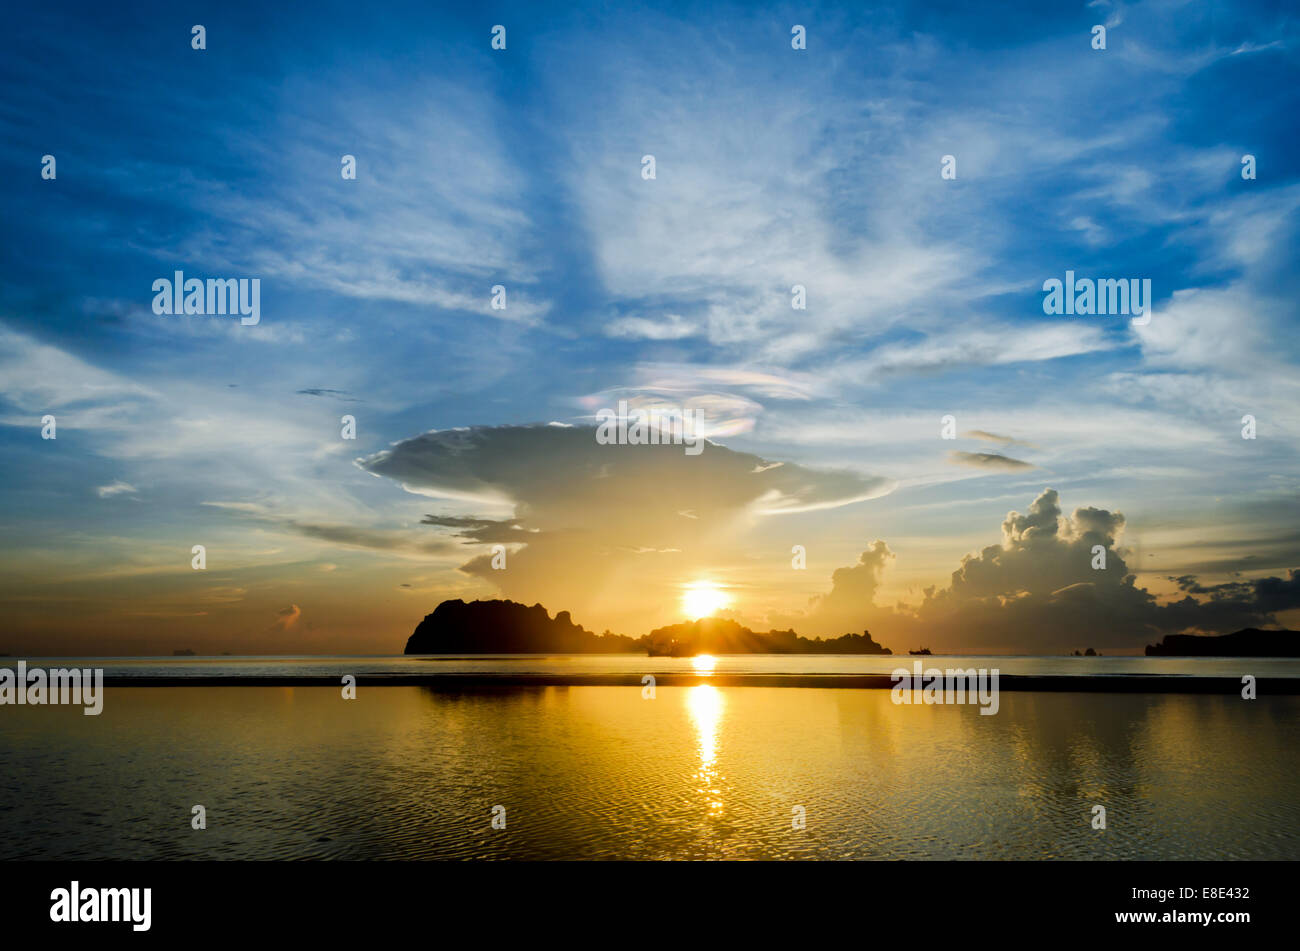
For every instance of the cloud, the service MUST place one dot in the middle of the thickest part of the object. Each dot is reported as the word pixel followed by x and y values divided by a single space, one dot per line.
pixel 373 539
pixel 669 327
pixel 776 187
pixel 987 346
pixel 857 585
pixel 438 173
pixel 548 471
pixel 1038 591
pixel 585 514
pixel 988 460
pixel 287 618
pixel 38 378
pixel 726 400
pixel 115 488
pixel 922 294
pixel 1240 327
pixel 996 437
pixel 756 381
pixel 482 530
pixel 348 536
pixel 341 395
pixel 716 415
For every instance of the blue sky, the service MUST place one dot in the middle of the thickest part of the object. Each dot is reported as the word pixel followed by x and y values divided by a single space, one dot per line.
pixel 522 167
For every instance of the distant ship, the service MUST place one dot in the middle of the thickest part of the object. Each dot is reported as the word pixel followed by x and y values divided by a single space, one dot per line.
pixel 923 650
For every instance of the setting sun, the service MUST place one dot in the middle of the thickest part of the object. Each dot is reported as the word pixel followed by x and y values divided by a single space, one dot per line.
pixel 703 599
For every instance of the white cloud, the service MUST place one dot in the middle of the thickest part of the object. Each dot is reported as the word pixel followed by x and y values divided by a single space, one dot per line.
pixel 115 488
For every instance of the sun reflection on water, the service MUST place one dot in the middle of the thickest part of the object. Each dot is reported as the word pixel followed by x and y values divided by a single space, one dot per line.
pixel 705 704
pixel 704 663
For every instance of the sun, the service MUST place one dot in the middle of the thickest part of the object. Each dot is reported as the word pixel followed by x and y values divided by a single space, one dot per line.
pixel 703 599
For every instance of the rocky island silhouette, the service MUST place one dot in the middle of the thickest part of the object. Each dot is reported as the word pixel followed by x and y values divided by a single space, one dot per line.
pixel 1248 642
pixel 508 627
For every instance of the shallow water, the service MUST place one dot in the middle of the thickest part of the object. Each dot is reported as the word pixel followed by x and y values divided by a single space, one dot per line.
pixel 600 772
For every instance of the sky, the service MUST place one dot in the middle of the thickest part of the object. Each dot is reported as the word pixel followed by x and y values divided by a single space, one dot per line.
pixel 525 169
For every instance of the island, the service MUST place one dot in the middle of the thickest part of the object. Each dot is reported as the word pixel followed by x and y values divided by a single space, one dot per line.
pixel 713 635
pixel 1248 642
pixel 508 627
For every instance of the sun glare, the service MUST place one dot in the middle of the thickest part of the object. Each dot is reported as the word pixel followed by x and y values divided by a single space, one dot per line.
pixel 703 599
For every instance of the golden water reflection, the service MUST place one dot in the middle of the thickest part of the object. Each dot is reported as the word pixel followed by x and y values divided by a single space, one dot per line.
pixel 704 663
pixel 706 705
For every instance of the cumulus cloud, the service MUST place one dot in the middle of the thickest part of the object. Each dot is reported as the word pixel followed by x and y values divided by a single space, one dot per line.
pixel 857 585
pixel 1038 590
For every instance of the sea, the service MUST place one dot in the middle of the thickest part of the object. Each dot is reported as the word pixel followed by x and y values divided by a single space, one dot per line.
pixel 459 760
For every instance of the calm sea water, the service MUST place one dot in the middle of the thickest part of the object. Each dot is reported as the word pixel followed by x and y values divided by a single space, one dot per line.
pixel 599 772
pixel 636 665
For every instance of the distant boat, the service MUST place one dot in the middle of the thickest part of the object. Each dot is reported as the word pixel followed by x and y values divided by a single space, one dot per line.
pixel 923 650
